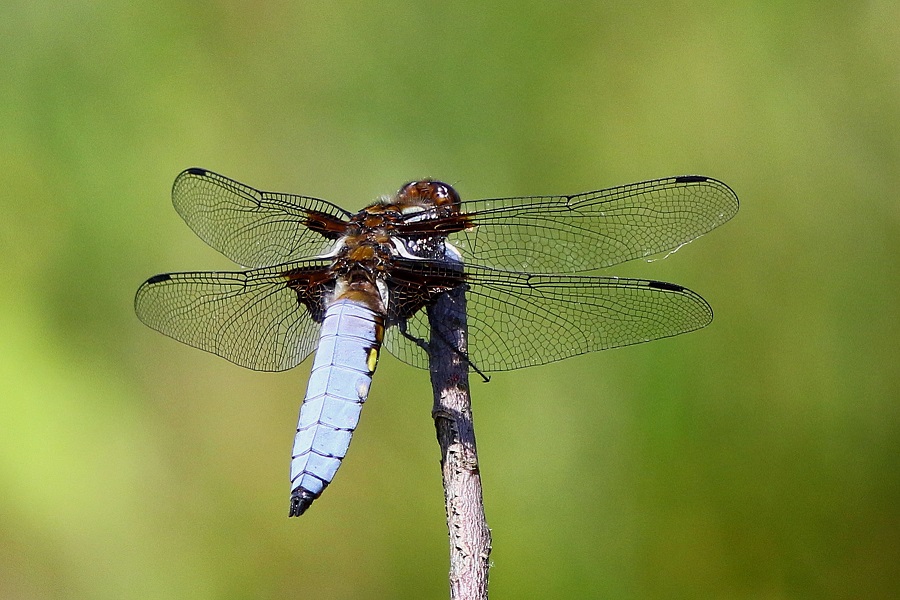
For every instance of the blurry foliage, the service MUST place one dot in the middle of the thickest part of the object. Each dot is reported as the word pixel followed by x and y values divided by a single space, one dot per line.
pixel 757 458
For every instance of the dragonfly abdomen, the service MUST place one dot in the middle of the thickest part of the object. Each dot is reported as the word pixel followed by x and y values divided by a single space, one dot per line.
pixel 339 383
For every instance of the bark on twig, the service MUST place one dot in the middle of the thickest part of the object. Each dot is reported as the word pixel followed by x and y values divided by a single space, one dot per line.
pixel 470 538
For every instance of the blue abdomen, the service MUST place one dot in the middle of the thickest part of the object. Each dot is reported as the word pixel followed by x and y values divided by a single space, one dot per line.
pixel 338 385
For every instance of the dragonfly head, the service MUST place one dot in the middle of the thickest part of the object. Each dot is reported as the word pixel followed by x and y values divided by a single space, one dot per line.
pixel 425 195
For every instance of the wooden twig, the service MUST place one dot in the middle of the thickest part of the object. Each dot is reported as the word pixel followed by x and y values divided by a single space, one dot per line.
pixel 470 537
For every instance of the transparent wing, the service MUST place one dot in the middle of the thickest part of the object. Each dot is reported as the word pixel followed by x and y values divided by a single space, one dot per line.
pixel 566 234
pixel 254 228
pixel 518 320
pixel 250 318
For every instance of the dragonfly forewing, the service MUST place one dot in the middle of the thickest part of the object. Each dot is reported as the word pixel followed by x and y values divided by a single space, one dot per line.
pixel 251 227
pixel 593 230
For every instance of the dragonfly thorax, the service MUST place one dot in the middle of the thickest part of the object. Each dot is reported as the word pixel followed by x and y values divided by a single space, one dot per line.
pixel 362 288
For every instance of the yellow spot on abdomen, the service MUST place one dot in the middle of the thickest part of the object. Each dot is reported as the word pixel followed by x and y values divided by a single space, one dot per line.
pixel 372 360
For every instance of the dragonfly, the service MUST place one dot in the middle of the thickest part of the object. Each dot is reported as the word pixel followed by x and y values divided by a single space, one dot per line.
pixel 318 278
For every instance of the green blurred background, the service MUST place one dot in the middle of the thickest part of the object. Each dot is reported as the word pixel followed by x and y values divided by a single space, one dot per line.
pixel 757 458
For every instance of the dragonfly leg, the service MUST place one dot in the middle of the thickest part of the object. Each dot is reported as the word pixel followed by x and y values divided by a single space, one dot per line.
pixel 405 333
pixel 424 346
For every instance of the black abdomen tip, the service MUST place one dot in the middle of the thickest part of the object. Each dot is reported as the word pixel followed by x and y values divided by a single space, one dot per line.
pixel 300 501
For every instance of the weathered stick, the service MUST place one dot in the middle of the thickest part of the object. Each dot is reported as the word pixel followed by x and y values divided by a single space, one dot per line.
pixel 470 537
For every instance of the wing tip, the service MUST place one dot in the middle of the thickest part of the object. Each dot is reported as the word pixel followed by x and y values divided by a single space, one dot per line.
pixel 691 179
pixel 193 172
pixel 181 180
pixel 715 182
pixel 142 290
pixel 664 285
pixel 158 279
